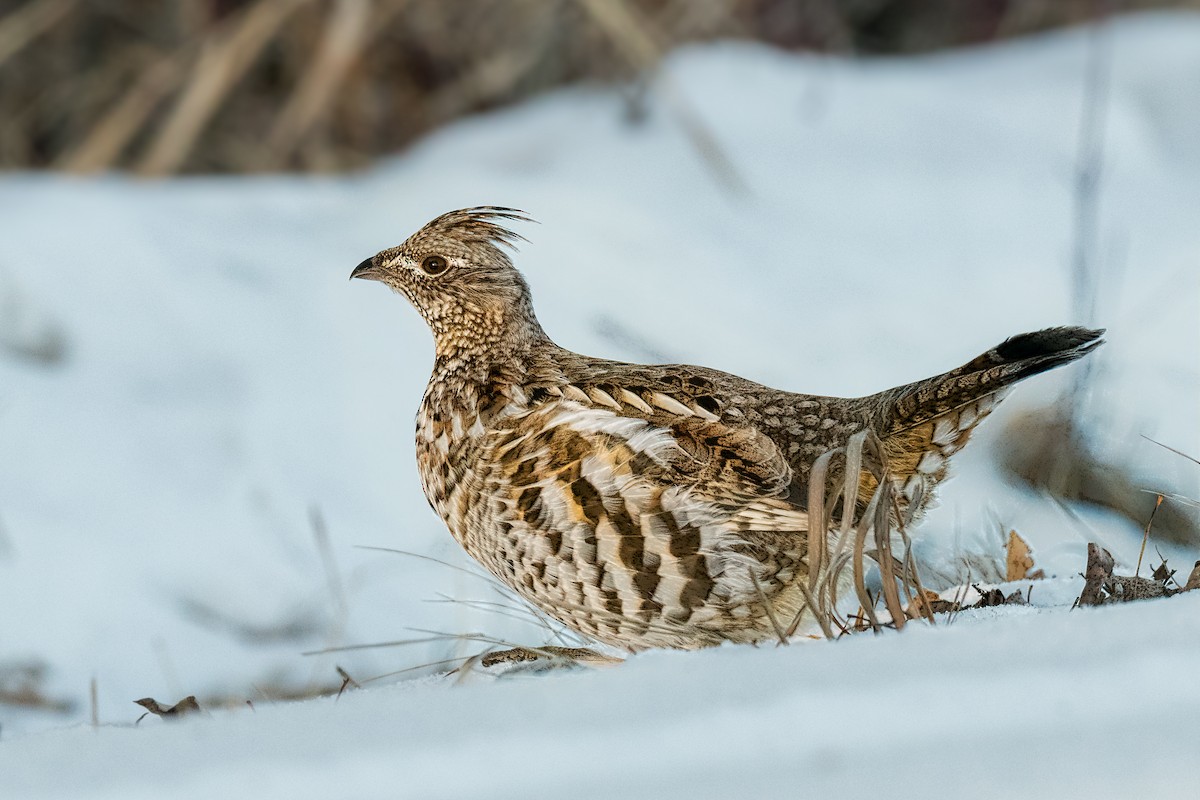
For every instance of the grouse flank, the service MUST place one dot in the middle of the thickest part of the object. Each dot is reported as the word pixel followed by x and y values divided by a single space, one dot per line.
pixel 645 506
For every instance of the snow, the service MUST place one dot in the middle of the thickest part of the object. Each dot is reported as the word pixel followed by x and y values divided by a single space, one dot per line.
pixel 1092 704
pixel 221 380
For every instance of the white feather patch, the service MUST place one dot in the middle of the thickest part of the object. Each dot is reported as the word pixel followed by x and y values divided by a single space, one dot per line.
pixel 572 392
pixel 944 432
pixel 670 404
pixel 634 400
pixel 603 398
pixel 639 435
pixel 930 463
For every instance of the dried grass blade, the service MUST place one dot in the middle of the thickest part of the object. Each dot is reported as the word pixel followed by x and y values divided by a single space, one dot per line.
pixel 860 586
pixel 818 518
pixel 883 544
pixel 24 25
pixel 762 597
pixel 343 40
pixel 224 58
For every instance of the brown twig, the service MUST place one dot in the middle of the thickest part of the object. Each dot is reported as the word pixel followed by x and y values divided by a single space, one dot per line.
pixel 426 665
pixel 346 681
pixel 1172 449
pixel 1146 535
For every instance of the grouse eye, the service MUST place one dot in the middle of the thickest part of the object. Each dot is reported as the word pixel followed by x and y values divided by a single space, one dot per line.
pixel 434 265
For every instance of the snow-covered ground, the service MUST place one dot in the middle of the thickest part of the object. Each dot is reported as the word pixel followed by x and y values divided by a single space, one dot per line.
pixel 1091 705
pixel 219 381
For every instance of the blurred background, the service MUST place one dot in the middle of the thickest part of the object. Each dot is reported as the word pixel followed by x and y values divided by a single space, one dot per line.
pixel 202 425
pixel 259 85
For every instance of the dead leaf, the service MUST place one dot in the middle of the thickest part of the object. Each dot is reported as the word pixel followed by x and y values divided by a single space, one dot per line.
pixel 1015 599
pixel 995 597
pixel 1124 588
pixel 1019 561
pixel 1193 581
pixel 1162 573
pixel 930 602
pixel 921 603
pixel 187 705
pixel 1099 569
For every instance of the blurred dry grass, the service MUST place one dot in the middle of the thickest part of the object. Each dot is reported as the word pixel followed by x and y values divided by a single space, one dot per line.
pixel 252 85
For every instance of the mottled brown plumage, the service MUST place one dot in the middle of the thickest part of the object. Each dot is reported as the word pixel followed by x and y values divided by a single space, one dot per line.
pixel 645 506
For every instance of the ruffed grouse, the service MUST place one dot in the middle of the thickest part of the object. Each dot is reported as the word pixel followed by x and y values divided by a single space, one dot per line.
pixel 644 506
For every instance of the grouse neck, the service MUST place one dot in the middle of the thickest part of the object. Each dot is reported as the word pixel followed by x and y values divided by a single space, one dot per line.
pixel 481 348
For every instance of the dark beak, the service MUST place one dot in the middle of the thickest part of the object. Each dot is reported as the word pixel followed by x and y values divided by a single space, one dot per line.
pixel 365 270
